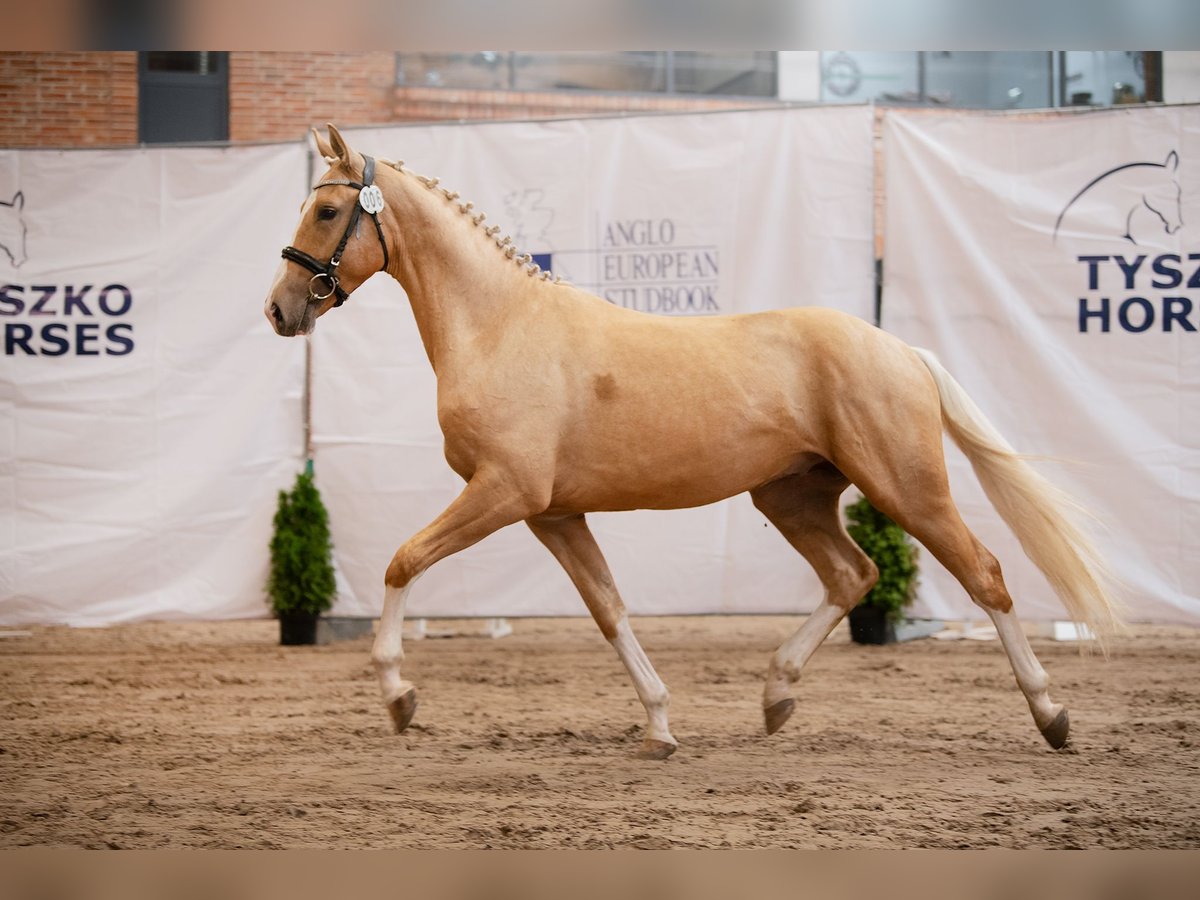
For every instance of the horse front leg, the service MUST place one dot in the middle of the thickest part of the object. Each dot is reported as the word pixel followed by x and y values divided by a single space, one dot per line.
pixel 572 544
pixel 487 504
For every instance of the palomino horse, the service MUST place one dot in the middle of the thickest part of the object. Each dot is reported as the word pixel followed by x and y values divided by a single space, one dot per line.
pixel 552 405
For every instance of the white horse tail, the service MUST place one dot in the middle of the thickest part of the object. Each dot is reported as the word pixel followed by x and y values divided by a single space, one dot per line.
pixel 1041 515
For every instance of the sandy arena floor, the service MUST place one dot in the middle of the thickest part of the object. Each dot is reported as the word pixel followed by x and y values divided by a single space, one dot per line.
pixel 211 735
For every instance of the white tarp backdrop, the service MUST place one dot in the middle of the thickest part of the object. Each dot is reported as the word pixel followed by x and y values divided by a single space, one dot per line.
pixel 148 413
pixel 1054 266
pixel 773 208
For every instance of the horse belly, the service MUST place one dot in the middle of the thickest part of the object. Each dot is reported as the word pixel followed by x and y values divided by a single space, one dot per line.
pixel 660 465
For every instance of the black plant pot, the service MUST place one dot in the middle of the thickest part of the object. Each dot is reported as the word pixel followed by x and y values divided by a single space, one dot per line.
pixel 297 629
pixel 871 625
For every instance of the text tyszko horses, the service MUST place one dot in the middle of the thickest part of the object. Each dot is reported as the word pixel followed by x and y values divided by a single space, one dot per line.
pixel 552 405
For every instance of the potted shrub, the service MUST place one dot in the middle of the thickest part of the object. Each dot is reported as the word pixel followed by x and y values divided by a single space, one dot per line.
pixel 301 584
pixel 891 549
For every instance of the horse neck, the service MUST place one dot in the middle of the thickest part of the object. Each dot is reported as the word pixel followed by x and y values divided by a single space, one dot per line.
pixel 459 284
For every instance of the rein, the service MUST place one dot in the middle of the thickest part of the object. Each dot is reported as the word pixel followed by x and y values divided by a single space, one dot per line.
pixel 370 199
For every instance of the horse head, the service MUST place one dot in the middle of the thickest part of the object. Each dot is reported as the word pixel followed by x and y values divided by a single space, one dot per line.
pixel 331 254
pixel 1165 197
pixel 12 228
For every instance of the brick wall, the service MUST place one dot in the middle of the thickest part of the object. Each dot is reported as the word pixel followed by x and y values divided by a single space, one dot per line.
pixel 81 99
pixel 68 99
pixel 279 96
pixel 90 98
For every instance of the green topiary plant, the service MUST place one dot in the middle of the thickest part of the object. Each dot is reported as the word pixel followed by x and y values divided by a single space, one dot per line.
pixel 892 551
pixel 301 580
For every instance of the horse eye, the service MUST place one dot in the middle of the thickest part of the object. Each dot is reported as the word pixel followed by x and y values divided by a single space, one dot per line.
pixel 326 212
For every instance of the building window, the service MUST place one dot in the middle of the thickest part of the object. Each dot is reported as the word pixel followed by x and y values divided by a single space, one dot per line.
pixel 992 80
pixel 745 74
pixel 183 96
pixel 1110 77
pixel 197 62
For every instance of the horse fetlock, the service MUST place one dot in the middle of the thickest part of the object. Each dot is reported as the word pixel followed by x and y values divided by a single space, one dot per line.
pixel 387 670
pixel 779 685
pixel 656 698
pixel 1034 684
pixel 783 670
pixel 384 660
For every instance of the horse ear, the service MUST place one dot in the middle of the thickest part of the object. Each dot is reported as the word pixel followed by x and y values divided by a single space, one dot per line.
pixel 1172 162
pixel 346 157
pixel 18 201
pixel 323 145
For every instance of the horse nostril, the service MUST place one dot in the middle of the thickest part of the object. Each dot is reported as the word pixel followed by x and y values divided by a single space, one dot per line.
pixel 276 313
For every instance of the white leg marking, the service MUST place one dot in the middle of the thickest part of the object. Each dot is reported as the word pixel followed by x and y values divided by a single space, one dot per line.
pixel 388 652
pixel 790 658
pixel 1031 677
pixel 650 688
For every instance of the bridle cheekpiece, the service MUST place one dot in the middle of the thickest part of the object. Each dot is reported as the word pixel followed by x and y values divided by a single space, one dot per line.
pixel 370 200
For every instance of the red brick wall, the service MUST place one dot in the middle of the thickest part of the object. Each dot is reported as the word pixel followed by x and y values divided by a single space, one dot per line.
pixel 280 95
pixel 81 99
pixel 90 98
pixel 68 99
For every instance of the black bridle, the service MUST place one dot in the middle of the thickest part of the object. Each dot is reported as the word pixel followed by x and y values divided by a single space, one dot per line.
pixel 370 199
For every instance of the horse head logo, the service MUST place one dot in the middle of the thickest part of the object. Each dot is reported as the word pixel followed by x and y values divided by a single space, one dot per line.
pixel 1133 199
pixel 12 228
pixel 1164 197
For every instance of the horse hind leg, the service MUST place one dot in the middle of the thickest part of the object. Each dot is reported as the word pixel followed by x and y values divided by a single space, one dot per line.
pixel 804 508
pixel 926 510
pixel 979 573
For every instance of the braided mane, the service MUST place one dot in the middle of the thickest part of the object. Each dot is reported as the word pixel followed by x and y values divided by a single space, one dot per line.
pixel 504 244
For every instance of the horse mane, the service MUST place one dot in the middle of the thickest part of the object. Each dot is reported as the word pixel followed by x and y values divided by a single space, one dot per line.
pixel 504 244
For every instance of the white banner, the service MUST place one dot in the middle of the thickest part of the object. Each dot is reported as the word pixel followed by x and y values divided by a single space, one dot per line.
pixel 148 413
pixel 767 209
pixel 1054 266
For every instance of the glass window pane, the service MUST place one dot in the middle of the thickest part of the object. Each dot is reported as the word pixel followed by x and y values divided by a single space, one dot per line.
pixel 1103 77
pixel 746 74
pixel 852 76
pixel 629 71
pixel 481 70
pixel 648 71
pixel 988 80
pixel 195 62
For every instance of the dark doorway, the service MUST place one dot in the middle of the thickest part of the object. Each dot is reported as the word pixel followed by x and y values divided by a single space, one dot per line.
pixel 183 96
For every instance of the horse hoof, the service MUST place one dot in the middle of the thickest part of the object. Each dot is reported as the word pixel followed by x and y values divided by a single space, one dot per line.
pixel 1058 731
pixel 402 709
pixel 652 749
pixel 778 713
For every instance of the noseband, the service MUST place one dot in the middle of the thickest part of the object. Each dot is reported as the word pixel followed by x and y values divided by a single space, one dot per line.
pixel 370 199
